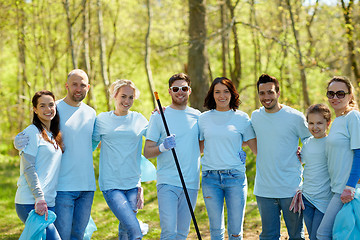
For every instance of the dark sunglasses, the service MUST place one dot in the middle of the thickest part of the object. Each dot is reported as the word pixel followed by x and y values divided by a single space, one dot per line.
pixel 183 88
pixel 339 94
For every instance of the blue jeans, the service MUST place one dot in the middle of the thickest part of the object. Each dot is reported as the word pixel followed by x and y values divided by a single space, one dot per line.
pixel 174 212
pixel 23 211
pixel 231 185
pixel 326 226
pixel 73 210
pixel 123 204
pixel 270 212
pixel 312 218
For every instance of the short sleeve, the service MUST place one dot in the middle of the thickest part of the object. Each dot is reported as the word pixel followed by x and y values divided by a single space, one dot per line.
pixel 354 129
pixel 249 132
pixel 96 132
pixel 153 132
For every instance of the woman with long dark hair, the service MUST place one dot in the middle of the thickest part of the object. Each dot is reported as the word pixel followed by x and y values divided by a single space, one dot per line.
pixel 224 130
pixel 40 161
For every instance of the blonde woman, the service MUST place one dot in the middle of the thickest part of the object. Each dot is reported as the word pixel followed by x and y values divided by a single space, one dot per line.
pixel 120 132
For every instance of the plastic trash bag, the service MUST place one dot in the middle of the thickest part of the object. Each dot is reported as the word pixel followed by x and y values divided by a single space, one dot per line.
pixel 35 226
pixel 148 170
pixel 347 221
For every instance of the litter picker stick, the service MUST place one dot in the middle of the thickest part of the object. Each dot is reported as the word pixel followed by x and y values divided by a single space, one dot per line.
pixel 178 167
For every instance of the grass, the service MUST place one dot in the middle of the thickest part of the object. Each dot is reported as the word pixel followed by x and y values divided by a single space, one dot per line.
pixel 11 227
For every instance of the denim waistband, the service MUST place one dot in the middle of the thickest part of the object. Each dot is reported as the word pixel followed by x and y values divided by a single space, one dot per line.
pixel 220 171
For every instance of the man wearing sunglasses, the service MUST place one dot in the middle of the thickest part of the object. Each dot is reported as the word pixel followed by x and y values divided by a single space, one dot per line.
pixel 182 120
pixel 278 129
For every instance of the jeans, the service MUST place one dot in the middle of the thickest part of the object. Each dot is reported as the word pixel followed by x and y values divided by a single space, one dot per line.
pixel 23 211
pixel 270 212
pixel 123 204
pixel 174 212
pixel 231 185
pixel 326 226
pixel 312 218
pixel 73 210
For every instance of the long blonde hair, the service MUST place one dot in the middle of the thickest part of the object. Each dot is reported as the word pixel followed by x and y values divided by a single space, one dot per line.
pixel 352 103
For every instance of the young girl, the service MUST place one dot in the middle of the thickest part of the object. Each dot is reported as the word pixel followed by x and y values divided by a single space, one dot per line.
pixel 316 186
pixel 40 162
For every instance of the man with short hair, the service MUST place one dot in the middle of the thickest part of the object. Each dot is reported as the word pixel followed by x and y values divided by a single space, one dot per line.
pixel 278 129
pixel 182 121
pixel 76 184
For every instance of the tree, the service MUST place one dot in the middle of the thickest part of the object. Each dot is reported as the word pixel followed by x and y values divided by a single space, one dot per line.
pixel 300 59
pixel 197 60
pixel 350 38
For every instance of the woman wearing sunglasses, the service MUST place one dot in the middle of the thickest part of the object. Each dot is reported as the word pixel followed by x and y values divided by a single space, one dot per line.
pixel 225 130
pixel 342 149
pixel 121 132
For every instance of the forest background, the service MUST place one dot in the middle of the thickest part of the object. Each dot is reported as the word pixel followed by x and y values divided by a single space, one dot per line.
pixel 302 43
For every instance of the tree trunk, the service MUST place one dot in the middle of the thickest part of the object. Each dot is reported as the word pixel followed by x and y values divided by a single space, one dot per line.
pixel 350 38
pixel 236 73
pixel 21 76
pixel 197 61
pixel 70 35
pixel 85 48
pixel 224 37
pixel 257 51
pixel 147 54
pixel 102 54
pixel 300 59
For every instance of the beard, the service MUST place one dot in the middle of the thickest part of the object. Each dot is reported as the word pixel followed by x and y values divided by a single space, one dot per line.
pixel 180 102
pixel 77 98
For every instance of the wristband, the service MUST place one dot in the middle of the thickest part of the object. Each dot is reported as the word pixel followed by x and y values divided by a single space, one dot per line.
pixel 162 148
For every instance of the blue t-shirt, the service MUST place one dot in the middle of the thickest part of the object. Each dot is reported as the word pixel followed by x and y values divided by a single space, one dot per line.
pixel 76 125
pixel 184 124
pixel 316 185
pixel 121 145
pixel 278 170
pixel 47 165
pixel 224 133
pixel 344 136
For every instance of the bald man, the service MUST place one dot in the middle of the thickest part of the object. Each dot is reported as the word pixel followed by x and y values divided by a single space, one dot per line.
pixel 75 191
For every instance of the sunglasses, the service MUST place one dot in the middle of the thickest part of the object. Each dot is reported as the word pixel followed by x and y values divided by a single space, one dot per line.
pixel 339 94
pixel 183 88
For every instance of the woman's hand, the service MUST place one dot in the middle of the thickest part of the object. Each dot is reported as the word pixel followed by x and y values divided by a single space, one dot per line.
pixel 41 208
pixel 348 194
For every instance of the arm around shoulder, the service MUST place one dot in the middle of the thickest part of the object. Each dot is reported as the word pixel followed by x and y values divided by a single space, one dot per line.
pixel 252 144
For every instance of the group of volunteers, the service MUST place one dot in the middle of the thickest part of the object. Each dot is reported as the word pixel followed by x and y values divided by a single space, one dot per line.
pixel 56 168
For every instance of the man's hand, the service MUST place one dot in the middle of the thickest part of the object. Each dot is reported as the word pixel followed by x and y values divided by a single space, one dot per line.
pixel 169 143
pixel 21 141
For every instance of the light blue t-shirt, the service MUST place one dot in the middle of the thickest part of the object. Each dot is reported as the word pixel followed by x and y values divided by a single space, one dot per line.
pixel 121 145
pixel 344 136
pixel 76 125
pixel 316 185
pixel 47 165
pixel 224 133
pixel 278 170
pixel 184 124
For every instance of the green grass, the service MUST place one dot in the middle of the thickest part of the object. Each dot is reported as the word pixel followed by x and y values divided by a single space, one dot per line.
pixel 11 227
